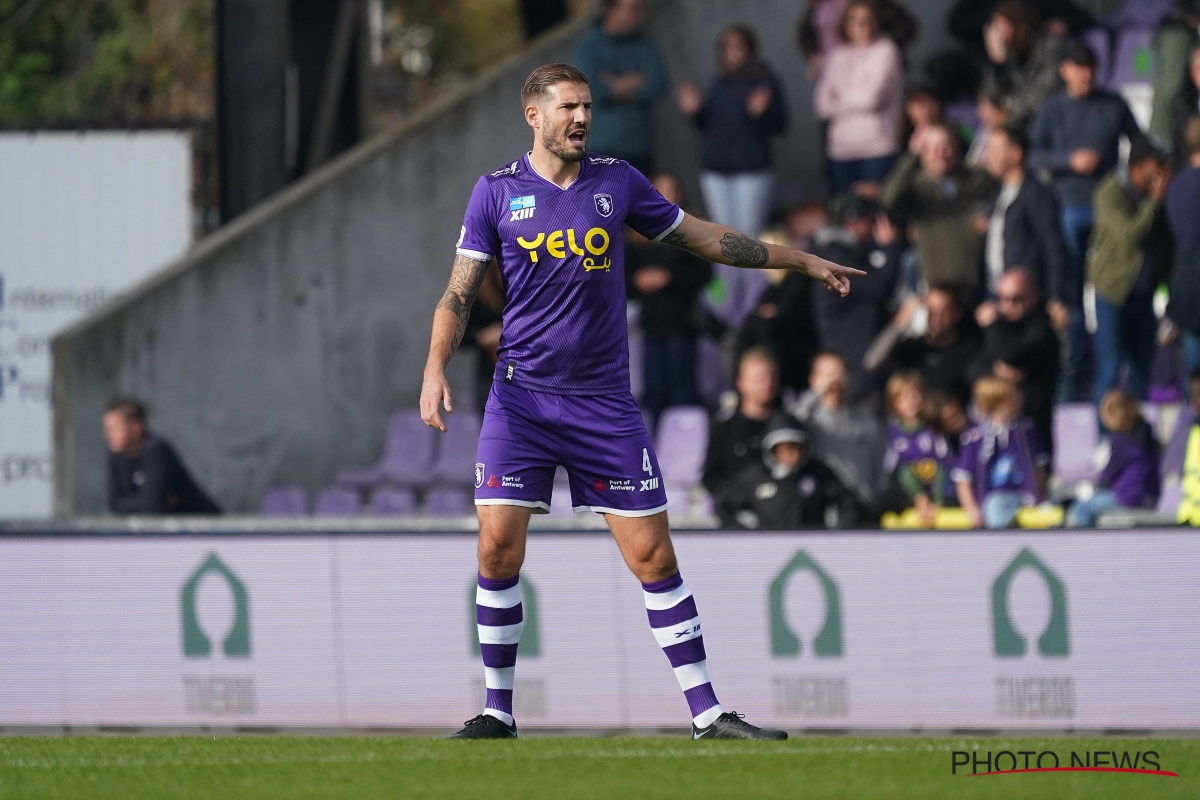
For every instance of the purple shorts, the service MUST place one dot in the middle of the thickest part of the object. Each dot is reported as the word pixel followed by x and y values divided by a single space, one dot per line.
pixel 601 440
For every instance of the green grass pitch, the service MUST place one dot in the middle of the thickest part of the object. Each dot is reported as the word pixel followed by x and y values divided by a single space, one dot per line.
pixel 628 768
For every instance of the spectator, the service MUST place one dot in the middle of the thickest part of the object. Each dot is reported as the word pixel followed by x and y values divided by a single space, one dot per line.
pixel 1182 204
pixel 1130 477
pixel 1075 137
pixel 918 456
pixel 1020 346
pixel 1188 512
pixel 846 437
pixel 789 489
pixel 666 280
pixel 921 108
pixel 947 414
pixel 822 19
pixel 939 198
pixel 1129 256
pixel 1187 106
pixel 1023 227
pixel 1175 45
pixel 859 93
pixel 783 323
pixel 1001 465
pixel 627 76
pixel 864 239
pixel 941 357
pixel 992 117
pixel 483 330
pixel 969 19
pixel 145 475
pixel 744 108
pixel 1022 61
pixel 735 441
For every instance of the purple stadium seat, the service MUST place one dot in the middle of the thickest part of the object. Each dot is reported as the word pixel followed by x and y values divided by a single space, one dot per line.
pixel 681 444
pixel 337 502
pixel 447 501
pixel 963 114
pixel 1133 59
pixel 1176 449
pixel 1152 413
pixel 407 455
pixel 1098 39
pixel 1172 493
pixel 1138 14
pixel 1075 439
pixel 285 501
pixel 390 501
pixel 455 463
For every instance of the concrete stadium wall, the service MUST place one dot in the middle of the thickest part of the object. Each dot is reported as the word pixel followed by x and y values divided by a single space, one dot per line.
pixel 274 351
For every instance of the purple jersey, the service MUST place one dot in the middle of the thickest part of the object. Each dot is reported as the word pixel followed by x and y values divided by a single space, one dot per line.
pixel 562 263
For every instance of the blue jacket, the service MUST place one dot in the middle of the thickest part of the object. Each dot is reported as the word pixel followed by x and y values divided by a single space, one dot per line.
pixel 1064 124
pixel 731 140
pixel 621 129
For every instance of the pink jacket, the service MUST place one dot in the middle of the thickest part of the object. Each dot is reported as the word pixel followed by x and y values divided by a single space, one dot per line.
pixel 860 92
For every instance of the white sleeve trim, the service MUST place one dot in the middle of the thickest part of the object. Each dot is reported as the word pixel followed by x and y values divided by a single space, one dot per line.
pixel 674 225
pixel 477 255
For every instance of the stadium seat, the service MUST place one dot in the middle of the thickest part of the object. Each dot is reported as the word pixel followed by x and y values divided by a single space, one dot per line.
pixel 390 501
pixel 1133 59
pixel 337 501
pixel 447 501
pixel 285 501
pixel 963 115
pixel 681 443
pixel 1172 493
pixel 407 455
pixel 455 465
pixel 1075 438
pixel 1176 449
pixel 1098 39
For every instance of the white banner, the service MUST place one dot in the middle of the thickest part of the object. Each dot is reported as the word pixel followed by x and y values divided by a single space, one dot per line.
pixel 873 630
pixel 83 217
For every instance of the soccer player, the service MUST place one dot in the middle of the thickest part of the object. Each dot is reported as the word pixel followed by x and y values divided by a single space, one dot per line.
pixel 553 219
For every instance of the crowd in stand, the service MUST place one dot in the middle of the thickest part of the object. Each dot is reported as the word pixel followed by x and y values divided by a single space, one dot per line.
pixel 1020 249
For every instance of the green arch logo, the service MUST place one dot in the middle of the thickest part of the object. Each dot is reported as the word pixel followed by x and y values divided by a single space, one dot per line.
pixel 1053 643
pixel 784 641
pixel 531 634
pixel 196 643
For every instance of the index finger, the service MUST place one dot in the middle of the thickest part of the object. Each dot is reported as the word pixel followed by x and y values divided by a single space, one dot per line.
pixel 840 270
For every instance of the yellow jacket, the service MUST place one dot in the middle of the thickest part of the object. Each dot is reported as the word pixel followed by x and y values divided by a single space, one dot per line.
pixel 1189 502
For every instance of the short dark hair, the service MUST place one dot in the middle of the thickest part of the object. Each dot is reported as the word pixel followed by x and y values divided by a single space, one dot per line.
pixel 1079 52
pixel 541 79
pixel 1191 135
pixel 1016 137
pixel 1144 150
pixel 955 293
pixel 747 35
pixel 758 352
pixel 127 407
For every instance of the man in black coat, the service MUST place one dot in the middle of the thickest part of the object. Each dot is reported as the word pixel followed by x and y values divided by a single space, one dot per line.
pixel 734 440
pixel 788 489
pixel 145 475
pixel 1020 345
pixel 1023 229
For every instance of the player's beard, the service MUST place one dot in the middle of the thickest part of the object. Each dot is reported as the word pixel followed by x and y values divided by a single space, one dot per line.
pixel 558 144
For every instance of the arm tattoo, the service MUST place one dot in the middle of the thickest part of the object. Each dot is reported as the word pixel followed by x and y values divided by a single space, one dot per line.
pixel 675 239
pixel 743 251
pixel 465 279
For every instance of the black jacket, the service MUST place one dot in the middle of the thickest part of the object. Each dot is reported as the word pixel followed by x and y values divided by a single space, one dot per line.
pixel 732 444
pixel 732 141
pixel 790 333
pixel 763 499
pixel 154 482
pixel 672 309
pixel 1033 240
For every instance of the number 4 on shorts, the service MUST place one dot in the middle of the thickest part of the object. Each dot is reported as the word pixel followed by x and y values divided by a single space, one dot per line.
pixel 649 470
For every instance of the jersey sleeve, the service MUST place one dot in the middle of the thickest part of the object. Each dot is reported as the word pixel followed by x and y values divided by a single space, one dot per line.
pixel 650 214
pixel 479 239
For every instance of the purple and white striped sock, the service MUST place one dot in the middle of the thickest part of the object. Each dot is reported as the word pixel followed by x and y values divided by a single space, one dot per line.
pixel 676 625
pixel 500 619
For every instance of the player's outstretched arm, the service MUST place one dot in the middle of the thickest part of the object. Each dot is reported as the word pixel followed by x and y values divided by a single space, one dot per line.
pixel 714 242
pixel 449 324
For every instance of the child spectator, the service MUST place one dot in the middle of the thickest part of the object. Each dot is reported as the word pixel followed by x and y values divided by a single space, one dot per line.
pixel 789 489
pixel 918 457
pixel 1001 466
pixel 1130 479
pixel 948 416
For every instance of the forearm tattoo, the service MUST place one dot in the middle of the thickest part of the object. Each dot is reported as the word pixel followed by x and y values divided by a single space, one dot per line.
pixel 675 239
pixel 465 280
pixel 742 251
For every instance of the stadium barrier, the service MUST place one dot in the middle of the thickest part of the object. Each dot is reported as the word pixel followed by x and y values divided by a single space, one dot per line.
pixel 1013 630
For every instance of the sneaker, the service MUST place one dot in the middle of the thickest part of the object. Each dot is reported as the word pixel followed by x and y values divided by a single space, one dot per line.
pixel 732 725
pixel 485 726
